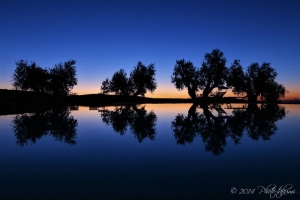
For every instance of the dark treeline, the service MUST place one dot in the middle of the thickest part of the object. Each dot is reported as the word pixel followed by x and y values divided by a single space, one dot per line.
pixel 256 81
pixel 141 80
pixel 57 81
pixel 56 122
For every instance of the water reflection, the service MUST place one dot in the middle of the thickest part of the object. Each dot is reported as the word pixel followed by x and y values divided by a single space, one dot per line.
pixel 57 122
pixel 141 122
pixel 257 122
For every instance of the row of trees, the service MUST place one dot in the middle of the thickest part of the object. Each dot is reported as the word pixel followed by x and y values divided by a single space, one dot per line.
pixel 257 80
pixel 57 81
pixel 141 80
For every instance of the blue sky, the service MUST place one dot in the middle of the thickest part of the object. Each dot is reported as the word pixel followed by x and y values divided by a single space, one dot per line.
pixel 105 36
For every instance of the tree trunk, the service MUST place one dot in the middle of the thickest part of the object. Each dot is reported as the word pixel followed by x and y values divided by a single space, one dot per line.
pixel 252 108
pixel 192 93
pixel 252 98
pixel 206 92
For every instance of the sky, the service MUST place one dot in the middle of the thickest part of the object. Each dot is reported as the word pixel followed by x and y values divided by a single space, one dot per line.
pixel 104 36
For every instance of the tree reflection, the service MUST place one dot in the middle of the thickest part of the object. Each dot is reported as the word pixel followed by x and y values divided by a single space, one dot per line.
pixel 214 130
pixel 56 122
pixel 260 123
pixel 185 128
pixel 141 122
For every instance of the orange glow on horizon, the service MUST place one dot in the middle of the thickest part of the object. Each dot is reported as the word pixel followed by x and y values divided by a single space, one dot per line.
pixel 165 92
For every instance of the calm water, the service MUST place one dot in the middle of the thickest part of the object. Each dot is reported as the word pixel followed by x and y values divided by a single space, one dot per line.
pixel 152 151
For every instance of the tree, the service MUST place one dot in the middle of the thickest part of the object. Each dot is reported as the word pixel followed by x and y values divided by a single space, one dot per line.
pixel 30 77
pixel 120 84
pixel 105 88
pixel 185 75
pixel 213 72
pixel 257 80
pixel 62 78
pixel 236 78
pixel 274 93
pixel 143 79
pixel 57 81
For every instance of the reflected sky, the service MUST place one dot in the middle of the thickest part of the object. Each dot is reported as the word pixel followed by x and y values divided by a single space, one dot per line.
pixel 104 163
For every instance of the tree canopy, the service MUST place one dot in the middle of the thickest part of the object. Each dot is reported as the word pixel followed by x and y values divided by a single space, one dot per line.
pixel 57 81
pixel 62 78
pixel 213 72
pixel 186 75
pixel 256 80
pixel 141 80
pixel 30 77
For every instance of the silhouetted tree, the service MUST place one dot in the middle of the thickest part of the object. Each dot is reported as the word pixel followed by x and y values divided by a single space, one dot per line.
pixel 185 75
pixel 120 84
pixel 213 72
pixel 237 78
pixel 105 87
pixel 57 81
pixel 63 78
pixel 257 80
pixel 143 79
pixel 30 77
pixel 274 92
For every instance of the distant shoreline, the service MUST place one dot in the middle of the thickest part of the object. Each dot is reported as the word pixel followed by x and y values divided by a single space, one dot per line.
pixel 26 97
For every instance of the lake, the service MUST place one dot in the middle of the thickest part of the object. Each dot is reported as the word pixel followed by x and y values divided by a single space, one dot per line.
pixel 152 151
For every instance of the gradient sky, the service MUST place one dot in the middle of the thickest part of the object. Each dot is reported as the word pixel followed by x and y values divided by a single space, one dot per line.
pixel 105 36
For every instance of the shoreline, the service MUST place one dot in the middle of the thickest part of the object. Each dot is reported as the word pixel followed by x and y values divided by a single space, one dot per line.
pixel 31 98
